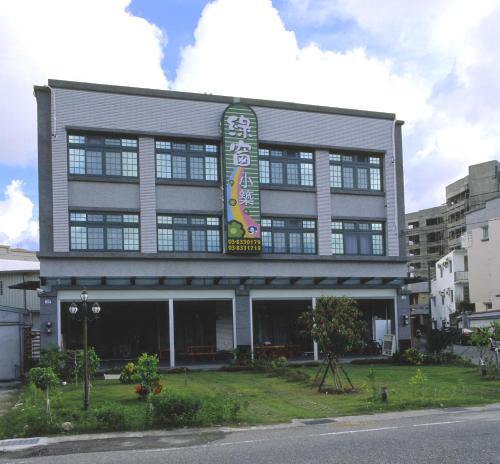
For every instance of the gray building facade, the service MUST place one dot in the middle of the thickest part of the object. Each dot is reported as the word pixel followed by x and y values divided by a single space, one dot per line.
pixel 132 208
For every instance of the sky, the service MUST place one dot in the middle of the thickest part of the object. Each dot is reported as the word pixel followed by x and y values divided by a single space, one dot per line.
pixel 435 63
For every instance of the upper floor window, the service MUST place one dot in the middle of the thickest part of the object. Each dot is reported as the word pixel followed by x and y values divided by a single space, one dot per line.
pixel 356 171
pixel 94 155
pixel 189 233
pixel 293 236
pixel 96 231
pixel 186 161
pixel 286 167
pixel 357 238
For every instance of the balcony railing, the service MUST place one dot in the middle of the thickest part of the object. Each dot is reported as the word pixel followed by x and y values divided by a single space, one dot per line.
pixel 461 276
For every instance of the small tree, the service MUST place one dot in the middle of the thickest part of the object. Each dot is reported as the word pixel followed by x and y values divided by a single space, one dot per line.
pixel 480 338
pixel 336 325
pixel 146 373
pixel 43 378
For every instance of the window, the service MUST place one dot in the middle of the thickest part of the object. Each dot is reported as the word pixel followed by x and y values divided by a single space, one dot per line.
pixel 1 287
pixel 450 266
pixel 356 171
pixel 92 155
pixel 451 295
pixel 357 238
pixel 189 234
pixel 435 236
pixel 286 167
pixel 293 236
pixel 97 231
pixel 434 221
pixel 186 161
pixel 485 232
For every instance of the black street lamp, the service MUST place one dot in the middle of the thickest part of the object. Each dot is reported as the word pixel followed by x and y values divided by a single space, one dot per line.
pixel 85 316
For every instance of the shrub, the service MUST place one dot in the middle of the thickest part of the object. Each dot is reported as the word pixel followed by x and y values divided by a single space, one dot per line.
pixel 413 356
pixel 56 360
pixel 439 340
pixel 127 374
pixel 146 373
pixel 171 410
pixel 110 417
pixel 93 363
pixel 218 410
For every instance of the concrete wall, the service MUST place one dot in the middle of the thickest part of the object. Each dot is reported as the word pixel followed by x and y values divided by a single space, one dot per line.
pixel 484 264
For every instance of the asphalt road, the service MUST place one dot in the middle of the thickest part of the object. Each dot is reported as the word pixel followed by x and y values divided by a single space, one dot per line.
pixel 457 435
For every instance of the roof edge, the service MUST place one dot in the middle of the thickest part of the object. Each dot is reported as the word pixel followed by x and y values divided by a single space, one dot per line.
pixel 141 91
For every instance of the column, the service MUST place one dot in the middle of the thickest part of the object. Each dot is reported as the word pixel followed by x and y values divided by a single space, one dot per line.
pixel 243 323
pixel 315 343
pixel 147 194
pixel 171 332
pixel 323 202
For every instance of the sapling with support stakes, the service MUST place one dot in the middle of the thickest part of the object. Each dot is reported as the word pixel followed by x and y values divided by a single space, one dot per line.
pixel 335 324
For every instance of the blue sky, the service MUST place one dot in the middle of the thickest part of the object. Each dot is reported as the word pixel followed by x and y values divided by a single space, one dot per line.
pixel 434 63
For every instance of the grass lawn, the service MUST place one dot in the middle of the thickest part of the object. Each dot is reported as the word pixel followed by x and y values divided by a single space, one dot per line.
pixel 269 399
pixel 264 398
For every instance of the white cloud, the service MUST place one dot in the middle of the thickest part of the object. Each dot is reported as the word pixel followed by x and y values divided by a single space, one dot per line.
pixel 17 224
pixel 243 48
pixel 82 40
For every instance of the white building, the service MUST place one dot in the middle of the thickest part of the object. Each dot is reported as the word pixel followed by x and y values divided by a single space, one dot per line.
pixel 450 287
pixel 483 248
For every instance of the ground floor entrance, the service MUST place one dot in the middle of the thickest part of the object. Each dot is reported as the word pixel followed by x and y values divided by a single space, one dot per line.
pixel 204 327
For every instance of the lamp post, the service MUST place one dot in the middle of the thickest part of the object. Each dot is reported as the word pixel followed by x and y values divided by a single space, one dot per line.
pixel 85 316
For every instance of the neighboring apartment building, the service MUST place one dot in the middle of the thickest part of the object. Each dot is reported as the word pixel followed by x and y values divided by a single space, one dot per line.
pixel 426 234
pixel 482 242
pixel 433 232
pixel 202 223
pixel 449 287
pixel 19 308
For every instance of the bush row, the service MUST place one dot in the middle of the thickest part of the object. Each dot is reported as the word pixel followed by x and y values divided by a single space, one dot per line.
pixel 167 410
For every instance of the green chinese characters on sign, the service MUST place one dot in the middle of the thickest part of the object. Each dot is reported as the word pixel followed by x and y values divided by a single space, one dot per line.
pixel 241 180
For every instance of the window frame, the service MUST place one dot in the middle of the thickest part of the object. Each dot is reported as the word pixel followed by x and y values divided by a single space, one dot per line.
pixel 290 156
pixel 187 155
pixel 356 164
pixel 288 229
pixel 358 233
pixel 189 227
pixel 105 224
pixel 103 149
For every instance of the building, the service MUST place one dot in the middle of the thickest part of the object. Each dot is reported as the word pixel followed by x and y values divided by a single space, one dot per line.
pixel 433 232
pixel 202 223
pixel 19 309
pixel 449 288
pixel 426 234
pixel 482 242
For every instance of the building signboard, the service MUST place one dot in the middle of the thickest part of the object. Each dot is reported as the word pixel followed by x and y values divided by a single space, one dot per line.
pixel 242 228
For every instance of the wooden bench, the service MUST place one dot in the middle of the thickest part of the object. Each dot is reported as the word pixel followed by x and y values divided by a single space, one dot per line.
pixel 201 351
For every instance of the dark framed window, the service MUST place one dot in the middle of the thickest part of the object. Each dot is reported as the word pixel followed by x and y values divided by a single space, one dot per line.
pixel 291 236
pixel 286 167
pixel 100 155
pixel 97 231
pixel 189 234
pixel 356 172
pixel 187 161
pixel 358 238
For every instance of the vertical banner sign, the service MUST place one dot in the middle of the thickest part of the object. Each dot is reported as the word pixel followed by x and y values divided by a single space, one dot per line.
pixel 241 180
